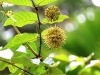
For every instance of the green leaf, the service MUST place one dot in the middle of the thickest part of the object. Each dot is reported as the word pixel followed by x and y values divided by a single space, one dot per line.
pixel 33 45
pixel 21 58
pixel 60 19
pixel 20 39
pixel 54 71
pixel 28 2
pixel 86 72
pixel 18 72
pixel 19 2
pixel 33 69
pixel 62 57
pixel 13 69
pixel 21 19
pixel 15 47
pixel 19 54
pixel 40 70
pixel 2 65
pixel 44 33
pixel 43 2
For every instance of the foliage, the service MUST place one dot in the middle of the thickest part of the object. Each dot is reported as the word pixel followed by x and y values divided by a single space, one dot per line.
pixel 21 19
pixel 32 61
pixel 28 61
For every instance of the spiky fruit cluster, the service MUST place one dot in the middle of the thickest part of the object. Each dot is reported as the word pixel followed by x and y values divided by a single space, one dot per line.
pixel 52 13
pixel 54 37
pixel 9 13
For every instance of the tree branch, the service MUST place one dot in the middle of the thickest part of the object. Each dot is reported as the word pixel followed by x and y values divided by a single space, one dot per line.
pixel 39 25
pixel 28 45
pixel 16 66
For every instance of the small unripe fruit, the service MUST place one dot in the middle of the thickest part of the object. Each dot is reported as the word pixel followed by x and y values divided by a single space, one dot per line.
pixel 52 13
pixel 9 13
pixel 54 37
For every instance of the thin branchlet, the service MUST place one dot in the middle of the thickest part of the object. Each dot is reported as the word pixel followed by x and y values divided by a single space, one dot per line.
pixel 16 29
pixel 39 25
pixel 16 66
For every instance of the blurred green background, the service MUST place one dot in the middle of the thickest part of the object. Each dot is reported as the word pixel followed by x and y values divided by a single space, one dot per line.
pixel 82 30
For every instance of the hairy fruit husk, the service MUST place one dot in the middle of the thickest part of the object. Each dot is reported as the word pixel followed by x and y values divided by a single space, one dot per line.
pixel 52 13
pixel 54 37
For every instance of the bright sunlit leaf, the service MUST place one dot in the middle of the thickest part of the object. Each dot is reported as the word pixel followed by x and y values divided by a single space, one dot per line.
pixel 43 33
pixel 62 57
pixel 43 2
pixel 7 54
pixel 60 19
pixel 13 69
pixel 20 39
pixel 19 2
pixel 36 61
pixel 2 65
pixel 48 61
pixel 21 19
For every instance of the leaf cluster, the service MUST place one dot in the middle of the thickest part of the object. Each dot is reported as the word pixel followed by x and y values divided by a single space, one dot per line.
pixel 21 62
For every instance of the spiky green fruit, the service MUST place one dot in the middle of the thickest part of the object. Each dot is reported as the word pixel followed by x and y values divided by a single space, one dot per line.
pixel 52 13
pixel 54 37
